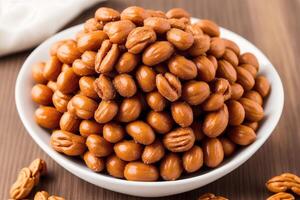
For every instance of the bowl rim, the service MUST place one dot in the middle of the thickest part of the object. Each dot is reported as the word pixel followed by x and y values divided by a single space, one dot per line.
pixel 212 174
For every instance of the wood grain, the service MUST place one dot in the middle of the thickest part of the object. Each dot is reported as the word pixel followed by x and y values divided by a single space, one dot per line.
pixel 271 25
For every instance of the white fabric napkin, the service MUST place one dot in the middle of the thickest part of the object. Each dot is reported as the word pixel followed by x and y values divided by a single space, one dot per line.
pixel 26 23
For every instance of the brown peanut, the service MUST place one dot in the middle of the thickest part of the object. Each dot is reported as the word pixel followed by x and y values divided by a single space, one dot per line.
pixel 106 111
pixel 179 140
pixel 182 67
pixel 68 143
pixel 94 163
pixel 180 39
pixel 215 122
pixel 192 159
pixel 139 38
pixel 213 152
pixel 135 171
pixel 195 92
pixel 157 52
pixel 241 135
pixel 98 146
pixel 47 117
pixel 168 86
pixel 171 167
pixel 153 153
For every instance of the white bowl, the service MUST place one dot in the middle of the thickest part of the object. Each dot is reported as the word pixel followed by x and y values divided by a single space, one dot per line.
pixel 26 108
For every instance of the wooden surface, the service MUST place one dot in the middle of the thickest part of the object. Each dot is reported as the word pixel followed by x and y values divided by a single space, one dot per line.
pixel 271 25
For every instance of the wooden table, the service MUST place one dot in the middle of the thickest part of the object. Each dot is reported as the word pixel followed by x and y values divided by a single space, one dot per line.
pixel 271 25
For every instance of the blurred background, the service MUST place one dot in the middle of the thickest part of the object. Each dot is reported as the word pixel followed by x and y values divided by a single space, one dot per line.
pixel 271 25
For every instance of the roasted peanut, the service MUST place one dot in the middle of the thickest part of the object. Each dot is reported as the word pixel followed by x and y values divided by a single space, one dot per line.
pixel 177 13
pixel 179 140
pixel 89 127
pixel 67 81
pixel 262 86
pixel 60 101
pixel 227 71
pixel 217 47
pixel 52 69
pixel 153 152
pixel 135 14
pixel 105 14
pixel 68 52
pixel 82 69
pixel 206 69
pixel 139 38
pixel 125 85
pixel 141 132
pixel 213 152
pixel 228 146
pixel 249 68
pixel 158 24
pixel 231 57
pixel 161 122
pixel 128 150
pixel 236 112
pixel 182 67
pixel 182 113
pixel 98 146
pixel 84 107
pixel 86 85
pixel 23 185
pixel 129 109
pixel 171 167
pixel 106 111
pixel 88 57
pixel 178 23
pixel 192 159
pixel 41 94
pixel 127 62
pixel 91 40
pixel 215 122
pixel 156 13
pixel 245 78
pixel 253 125
pixel 118 31
pixel 156 101
pixel 222 86
pixel 113 132
pixel 213 102
pixel 284 182
pixel 67 143
pixel 106 57
pixel 47 117
pixel 180 39
pixel 168 86
pixel 157 52
pixel 104 88
pixel 138 171
pixel 92 25
pixel 37 73
pixel 209 27
pixel 115 166
pixel 232 46
pixel 281 195
pixel 254 96
pixel 237 91
pixel 200 46
pixel 241 135
pixel 253 111
pixel 194 29
pixel 94 163
pixel 195 92
pixel 249 58
pixel 146 77
pixel 69 122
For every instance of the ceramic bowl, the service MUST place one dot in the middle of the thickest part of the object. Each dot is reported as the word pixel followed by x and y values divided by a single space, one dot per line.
pixel 26 107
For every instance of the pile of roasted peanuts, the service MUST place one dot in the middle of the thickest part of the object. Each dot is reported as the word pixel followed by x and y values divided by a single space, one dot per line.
pixel 146 95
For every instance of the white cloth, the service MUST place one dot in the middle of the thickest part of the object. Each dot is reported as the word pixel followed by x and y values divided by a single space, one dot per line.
pixel 26 23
